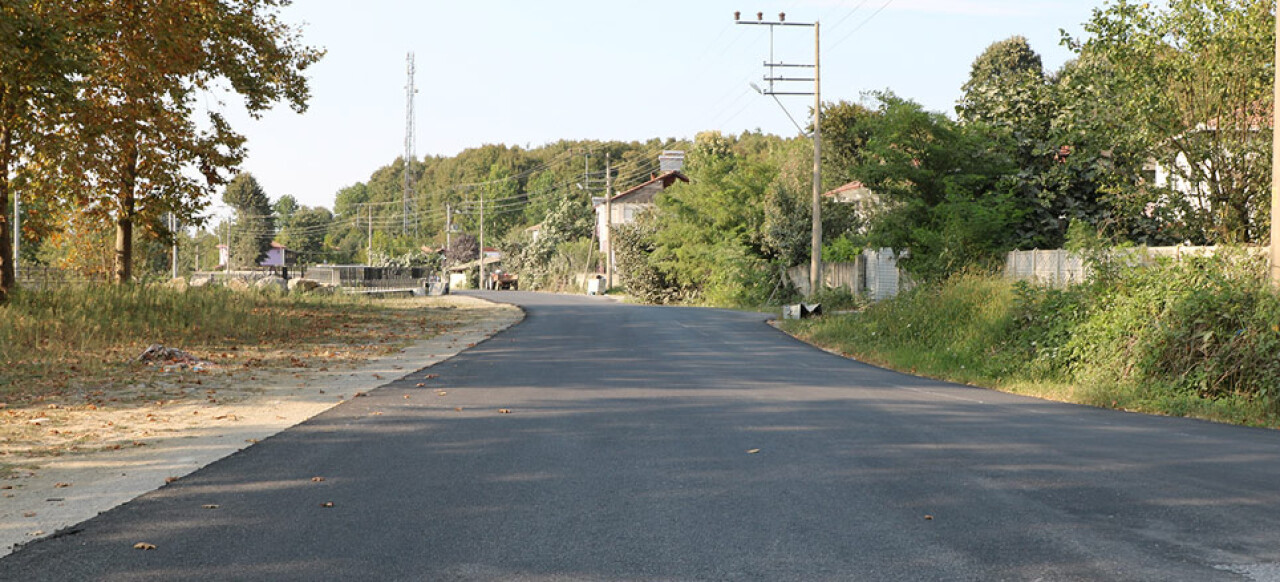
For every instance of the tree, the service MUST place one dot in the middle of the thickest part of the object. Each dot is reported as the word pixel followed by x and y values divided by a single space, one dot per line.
pixel 305 232
pixel 1007 87
pixel 135 120
pixel 284 209
pixel 947 189
pixel 464 248
pixel 1196 81
pixel 254 228
pixel 40 56
pixel 843 138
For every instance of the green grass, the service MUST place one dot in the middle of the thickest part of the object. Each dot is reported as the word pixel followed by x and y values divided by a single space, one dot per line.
pixel 1194 339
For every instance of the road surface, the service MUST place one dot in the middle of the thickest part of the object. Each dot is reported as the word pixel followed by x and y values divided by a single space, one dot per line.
pixel 599 441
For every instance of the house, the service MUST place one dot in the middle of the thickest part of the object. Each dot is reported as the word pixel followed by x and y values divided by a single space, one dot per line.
pixel 534 232
pixel 628 205
pixel 853 193
pixel 277 256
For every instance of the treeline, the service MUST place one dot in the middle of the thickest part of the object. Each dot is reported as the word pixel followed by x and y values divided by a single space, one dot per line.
pixel 1157 132
pixel 102 134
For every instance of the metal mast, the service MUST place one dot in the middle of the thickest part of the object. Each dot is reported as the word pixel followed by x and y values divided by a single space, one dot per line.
pixel 409 90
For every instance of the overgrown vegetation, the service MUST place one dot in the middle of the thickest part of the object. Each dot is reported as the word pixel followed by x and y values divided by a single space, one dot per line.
pixel 1193 337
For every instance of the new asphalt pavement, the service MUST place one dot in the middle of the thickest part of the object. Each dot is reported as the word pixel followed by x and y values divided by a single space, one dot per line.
pixel 603 441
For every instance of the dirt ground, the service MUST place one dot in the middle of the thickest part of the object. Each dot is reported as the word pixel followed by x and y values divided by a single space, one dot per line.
pixel 66 457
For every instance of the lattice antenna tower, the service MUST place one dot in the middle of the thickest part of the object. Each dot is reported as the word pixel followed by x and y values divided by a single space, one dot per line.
pixel 410 90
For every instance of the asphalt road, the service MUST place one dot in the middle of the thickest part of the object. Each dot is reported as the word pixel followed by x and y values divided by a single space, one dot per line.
pixel 647 443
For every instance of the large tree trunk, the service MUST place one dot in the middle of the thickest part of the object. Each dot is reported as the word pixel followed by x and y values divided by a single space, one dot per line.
pixel 7 280
pixel 124 250
pixel 123 272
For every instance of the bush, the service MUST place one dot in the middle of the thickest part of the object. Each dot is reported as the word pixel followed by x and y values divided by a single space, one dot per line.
pixel 1199 336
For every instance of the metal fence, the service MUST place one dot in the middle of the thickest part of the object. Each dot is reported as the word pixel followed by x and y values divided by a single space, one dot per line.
pixel 1057 268
pixel 1060 268
pixel 43 278
pixel 370 277
pixel 874 273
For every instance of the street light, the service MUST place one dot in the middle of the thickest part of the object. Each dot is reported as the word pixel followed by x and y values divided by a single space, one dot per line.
pixel 815 260
pixel 757 89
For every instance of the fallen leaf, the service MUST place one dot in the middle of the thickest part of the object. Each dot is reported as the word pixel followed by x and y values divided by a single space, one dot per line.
pixel 327 504
pixel 168 480
pixel 360 394
pixel 406 396
pixel 441 393
pixel 752 451
pixel 928 518
pixel 29 514
pixel 504 411
pixel 317 479
pixel 144 546
pixel 420 385
pixel 209 506
pixel 251 441
pixel 375 413
pixel 458 409
pixel 61 485
pixel 431 376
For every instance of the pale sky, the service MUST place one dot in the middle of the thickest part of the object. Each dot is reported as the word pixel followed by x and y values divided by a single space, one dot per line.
pixel 529 73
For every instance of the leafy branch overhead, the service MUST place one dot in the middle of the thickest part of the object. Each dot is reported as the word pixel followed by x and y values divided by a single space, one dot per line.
pixel 132 145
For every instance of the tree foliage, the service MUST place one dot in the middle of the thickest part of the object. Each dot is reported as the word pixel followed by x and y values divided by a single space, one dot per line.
pixel 305 231
pixel 1195 81
pixel 141 150
pixel 40 56
pixel 254 227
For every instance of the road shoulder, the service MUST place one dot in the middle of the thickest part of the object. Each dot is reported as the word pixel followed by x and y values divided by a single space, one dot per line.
pixel 67 490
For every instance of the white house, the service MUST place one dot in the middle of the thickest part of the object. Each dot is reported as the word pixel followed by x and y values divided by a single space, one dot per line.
pixel 277 256
pixel 628 205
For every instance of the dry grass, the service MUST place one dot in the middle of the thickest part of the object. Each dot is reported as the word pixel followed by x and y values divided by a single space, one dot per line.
pixel 70 382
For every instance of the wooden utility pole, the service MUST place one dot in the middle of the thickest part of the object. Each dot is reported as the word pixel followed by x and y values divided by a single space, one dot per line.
pixel 608 222
pixel 482 240
pixel 448 241
pixel 815 259
pixel 774 77
pixel 173 227
pixel 1275 174
pixel 17 235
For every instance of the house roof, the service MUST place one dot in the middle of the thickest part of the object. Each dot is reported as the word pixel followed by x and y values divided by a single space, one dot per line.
pixel 850 187
pixel 460 267
pixel 666 180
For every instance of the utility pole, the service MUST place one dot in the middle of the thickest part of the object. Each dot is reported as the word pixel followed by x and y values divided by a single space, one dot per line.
pixel 409 155
pixel 369 249
pixel 173 228
pixel 1275 179
pixel 448 239
pixel 482 240
pixel 772 77
pixel 608 221
pixel 17 235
